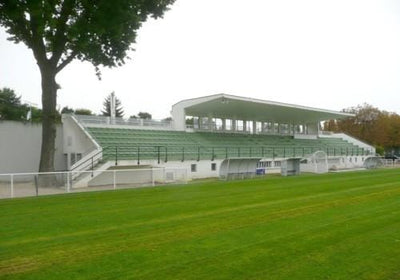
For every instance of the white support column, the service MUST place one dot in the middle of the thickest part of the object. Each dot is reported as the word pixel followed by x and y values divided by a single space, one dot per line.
pixel 200 122
pixel 254 127
pixel 244 125
pixel 223 124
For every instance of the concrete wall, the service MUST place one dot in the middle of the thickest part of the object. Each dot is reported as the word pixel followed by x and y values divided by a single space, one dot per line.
pixel 20 145
pixel 75 139
pixel 203 167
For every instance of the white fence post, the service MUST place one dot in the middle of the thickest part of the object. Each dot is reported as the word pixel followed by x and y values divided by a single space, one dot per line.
pixel 12 185
pixel 114 179
pixel 152 177
pixel 68 182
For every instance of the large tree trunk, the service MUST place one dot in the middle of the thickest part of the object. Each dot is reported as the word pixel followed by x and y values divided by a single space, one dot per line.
pixel 49 117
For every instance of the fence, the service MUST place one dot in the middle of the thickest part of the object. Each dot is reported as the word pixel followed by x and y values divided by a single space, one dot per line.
pixel 391 162
pixel 37 184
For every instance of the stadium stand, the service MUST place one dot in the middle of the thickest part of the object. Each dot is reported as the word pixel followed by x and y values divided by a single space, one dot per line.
pixel 175 145
pixel 223 126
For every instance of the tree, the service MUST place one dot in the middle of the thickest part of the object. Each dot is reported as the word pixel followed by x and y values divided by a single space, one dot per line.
pixel 119 111
pixel 10 106
pixel 85 112
pixel 379 128
pixel 81 111
pixel 142 115
pixel 67 110
pixel 59 31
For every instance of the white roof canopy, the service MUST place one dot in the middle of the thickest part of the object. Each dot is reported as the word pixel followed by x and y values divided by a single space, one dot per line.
pixel 243 108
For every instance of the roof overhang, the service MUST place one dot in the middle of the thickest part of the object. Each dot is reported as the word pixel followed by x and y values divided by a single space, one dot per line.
pixel 243 108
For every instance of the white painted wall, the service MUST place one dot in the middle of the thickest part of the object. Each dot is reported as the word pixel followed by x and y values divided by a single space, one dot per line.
pixel 75 139
pixel 20 145
pixel 203 167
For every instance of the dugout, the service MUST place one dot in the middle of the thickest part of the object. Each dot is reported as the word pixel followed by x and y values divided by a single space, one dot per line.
pixel 238 168
pixel 290 167
pixel 372 162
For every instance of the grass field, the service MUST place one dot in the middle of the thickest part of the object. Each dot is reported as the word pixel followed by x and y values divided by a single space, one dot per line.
pixel 333 226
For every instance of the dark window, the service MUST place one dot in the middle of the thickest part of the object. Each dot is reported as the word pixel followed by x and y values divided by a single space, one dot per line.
pixel 193 167
pixel 213 166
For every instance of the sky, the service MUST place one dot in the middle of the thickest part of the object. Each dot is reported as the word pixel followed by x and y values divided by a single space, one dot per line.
pixel 330 54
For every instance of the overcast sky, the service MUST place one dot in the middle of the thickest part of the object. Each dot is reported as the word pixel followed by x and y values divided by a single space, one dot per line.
pixel 326 54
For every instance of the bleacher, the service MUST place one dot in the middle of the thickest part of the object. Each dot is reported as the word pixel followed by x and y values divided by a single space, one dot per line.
pixel 137 144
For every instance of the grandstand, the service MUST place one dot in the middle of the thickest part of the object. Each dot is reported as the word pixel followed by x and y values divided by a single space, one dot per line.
pixel 222 126
pixel 139 144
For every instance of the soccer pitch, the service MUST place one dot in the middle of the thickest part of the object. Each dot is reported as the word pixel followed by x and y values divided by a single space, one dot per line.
pixel 333 226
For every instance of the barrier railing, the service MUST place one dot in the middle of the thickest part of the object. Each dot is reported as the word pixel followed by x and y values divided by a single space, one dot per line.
pixel 184 153
pixel 49 183
pixel 102 120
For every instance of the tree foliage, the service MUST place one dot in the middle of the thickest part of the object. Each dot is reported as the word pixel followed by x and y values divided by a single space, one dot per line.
pixel 67 110
pixel 119 111
pixel 59 31
pixel 142 115
pixel 379 128
pixel 82 111
pixel 10 106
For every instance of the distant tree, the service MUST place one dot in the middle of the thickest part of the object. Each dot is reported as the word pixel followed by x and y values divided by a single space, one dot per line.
pixel 10 106
pixel 119 111
pixel 67 110
pixel 142 115
pixel 86 112
pixel 168 119
pixel 189 121
pixel 37 115
pixel 59 31
pixel 379 128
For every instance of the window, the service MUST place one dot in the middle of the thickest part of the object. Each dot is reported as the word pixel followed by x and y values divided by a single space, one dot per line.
pixel 73 160
pixel 213 166
pixel 277 163
pixel 193 167
pixel 267 164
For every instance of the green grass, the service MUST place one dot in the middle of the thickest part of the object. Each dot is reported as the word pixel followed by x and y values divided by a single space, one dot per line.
pixel 333 226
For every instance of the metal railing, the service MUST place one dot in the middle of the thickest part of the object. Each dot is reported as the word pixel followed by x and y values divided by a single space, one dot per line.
pixel 184 153
pixel 103 120
pixel 49 183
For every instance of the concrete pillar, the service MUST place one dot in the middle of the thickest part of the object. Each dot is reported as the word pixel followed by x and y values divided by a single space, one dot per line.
pixel 254 127
pixel 233 125
pixel 210 123
pixel 223 124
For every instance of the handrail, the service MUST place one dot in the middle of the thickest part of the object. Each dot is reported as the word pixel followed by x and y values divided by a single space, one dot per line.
pixel 88 160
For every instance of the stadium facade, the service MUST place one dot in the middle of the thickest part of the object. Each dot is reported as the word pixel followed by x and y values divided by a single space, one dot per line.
pixel 203 133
